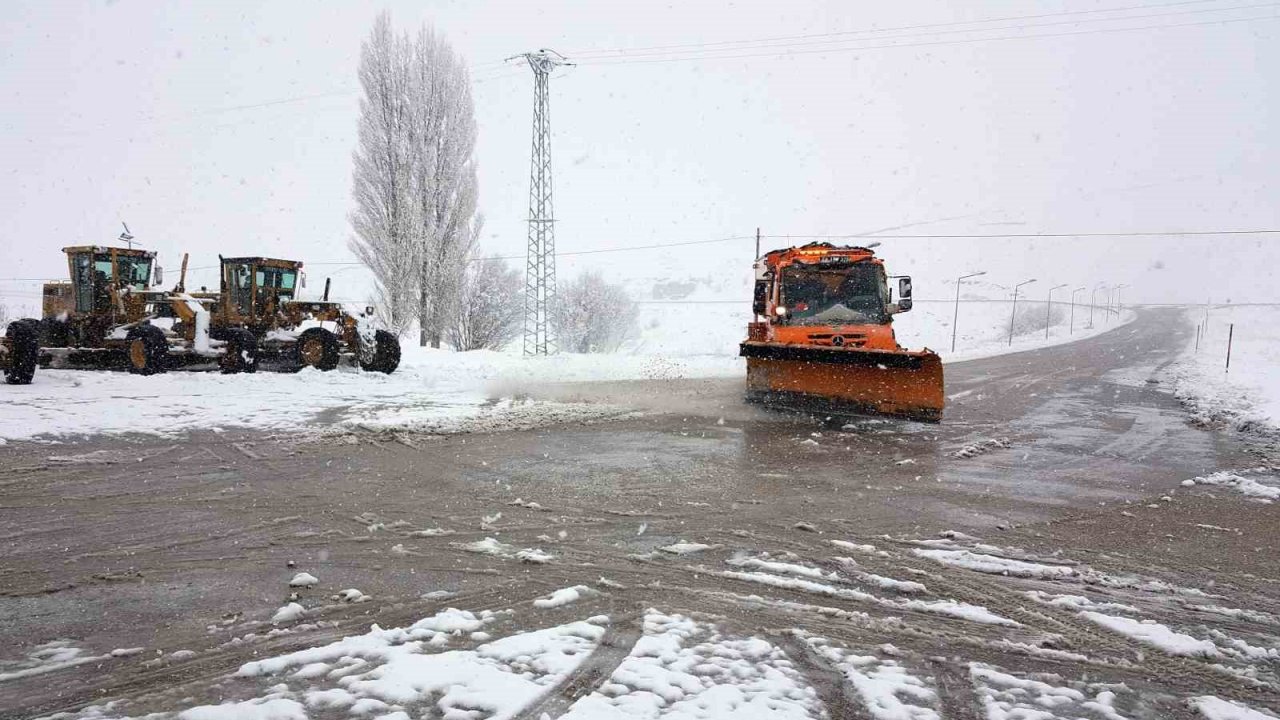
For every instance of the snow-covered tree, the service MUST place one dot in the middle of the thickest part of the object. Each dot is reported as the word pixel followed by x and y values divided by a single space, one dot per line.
pixel 490 306
pixel 384 220
pixel 445 178
pixel 415 183
pixel 592 315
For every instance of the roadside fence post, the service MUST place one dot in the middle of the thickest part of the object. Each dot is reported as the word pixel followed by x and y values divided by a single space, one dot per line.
pixel 1198 326
pixel 1231 330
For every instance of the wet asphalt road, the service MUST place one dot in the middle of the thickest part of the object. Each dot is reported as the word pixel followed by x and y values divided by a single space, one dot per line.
pixel 168 545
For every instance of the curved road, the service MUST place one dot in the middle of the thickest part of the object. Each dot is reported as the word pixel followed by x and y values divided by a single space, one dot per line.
pixel 1067 453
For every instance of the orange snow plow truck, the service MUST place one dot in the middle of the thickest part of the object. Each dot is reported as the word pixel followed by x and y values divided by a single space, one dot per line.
pixel 822 338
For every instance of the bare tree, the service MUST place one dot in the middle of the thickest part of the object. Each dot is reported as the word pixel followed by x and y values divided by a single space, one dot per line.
pixel 415 178
pixel 592 315
pixel 490 306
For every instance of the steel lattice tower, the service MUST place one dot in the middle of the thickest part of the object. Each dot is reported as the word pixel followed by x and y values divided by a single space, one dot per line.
pixel 540 271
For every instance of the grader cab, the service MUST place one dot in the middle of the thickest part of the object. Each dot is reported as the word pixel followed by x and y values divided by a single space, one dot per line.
pixel 109 315
pixel 108 288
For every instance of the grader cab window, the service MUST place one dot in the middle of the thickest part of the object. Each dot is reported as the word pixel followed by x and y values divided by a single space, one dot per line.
pixel 132 272
pixel 240 283
pixel 278 280
pixel 83 275
pixel 95 276
pixel 274 285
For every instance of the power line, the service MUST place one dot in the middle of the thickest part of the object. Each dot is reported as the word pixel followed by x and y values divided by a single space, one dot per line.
pixel 842 37
pixel 589 53
pixel 639 55
pixel 1172 233
pixel 163 120
pixel 1096 31
pixel 874 235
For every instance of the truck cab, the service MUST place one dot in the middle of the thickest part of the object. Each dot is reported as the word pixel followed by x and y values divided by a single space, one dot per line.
pixel 820 294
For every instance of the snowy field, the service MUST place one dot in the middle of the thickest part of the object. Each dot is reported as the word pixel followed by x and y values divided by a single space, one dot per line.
pixel 441 391
pixel 1247 396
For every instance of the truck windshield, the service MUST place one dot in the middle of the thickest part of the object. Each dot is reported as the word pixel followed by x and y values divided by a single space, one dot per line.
pixel 850 294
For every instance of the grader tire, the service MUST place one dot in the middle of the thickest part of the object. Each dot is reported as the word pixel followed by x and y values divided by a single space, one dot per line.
pixel 147 350
pixel 318 348
pixel 386 354
pixel 240 353
pixel 24 351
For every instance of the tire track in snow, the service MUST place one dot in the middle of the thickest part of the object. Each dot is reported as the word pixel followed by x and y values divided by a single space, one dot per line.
pixel 138 683
pixel 827 681
pixel 956 697
pixel 616 645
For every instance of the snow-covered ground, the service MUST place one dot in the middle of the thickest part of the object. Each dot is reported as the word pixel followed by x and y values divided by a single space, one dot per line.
pixel 563 654
pixel 1247 396
pixel 443 391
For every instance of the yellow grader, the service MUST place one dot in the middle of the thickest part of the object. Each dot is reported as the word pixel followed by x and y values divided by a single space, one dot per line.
pixel 108 315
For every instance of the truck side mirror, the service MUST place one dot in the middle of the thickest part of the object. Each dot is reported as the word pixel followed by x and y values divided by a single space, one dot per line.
pixel 904 294
pixel 159 276
pixel 760 300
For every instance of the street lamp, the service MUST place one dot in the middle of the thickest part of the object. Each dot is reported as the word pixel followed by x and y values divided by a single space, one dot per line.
pixel 1014 314
pixel 956 319
pixel 1122 285
pixel 1072 329
pixel 1093 302
pixel 1048 305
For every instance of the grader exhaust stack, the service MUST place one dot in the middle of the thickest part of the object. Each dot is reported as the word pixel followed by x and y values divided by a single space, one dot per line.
pixel 823 341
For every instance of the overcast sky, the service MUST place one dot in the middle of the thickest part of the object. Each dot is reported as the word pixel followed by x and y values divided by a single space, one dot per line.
pixel 228 127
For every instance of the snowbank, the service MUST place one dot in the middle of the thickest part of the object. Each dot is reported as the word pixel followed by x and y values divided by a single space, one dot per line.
pixel 441 391
pixel 1247 396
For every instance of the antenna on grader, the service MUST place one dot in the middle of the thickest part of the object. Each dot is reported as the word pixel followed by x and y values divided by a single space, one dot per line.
pixel 126 237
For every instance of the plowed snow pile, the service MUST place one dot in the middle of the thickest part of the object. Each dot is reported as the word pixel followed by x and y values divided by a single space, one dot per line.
pixel 440 391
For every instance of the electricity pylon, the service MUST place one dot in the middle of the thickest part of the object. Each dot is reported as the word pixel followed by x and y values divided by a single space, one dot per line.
pixel 540 270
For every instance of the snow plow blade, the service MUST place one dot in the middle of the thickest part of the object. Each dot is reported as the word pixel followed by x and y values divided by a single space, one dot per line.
pixel 845 380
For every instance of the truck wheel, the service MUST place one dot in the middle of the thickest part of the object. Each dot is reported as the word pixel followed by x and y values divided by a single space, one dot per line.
pixel 386 353
pixel 24 351
pixel 318 348
pixel 147 350
pixel 240 353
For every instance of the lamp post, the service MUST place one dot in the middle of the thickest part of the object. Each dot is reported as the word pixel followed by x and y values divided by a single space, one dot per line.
pixel 1048 305
pixel 1093 302
pixel 1117 305
pixel 1014 314
pixel 1072 328
pixel 956 318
